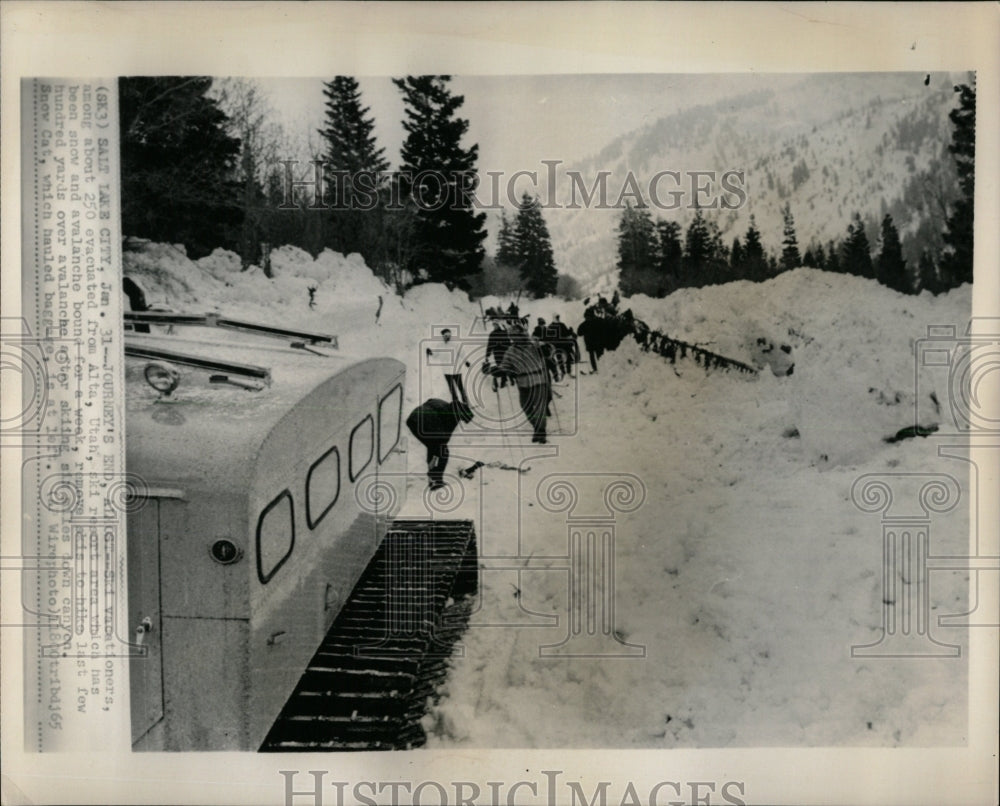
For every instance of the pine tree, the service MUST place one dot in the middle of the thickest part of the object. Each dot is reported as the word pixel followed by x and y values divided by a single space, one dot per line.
pixel 736 258
pixel 790 258
pixel 637 252
pixel 534 249
pixel 352 164
pixel 349 133
pixel 669 257
pixel 927 274
pixel 179 164
pixel 439 175
pixel 833 257
pixel 819 256
pixel 956 262
pixel 718 263
pixel 754 261
pixel 697 252
pixel 890 264
pixel 506 243
pixel 856 255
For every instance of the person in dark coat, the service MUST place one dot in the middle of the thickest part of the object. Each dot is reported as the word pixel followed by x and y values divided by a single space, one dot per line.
pixel 573 351
pixel 544 337
pixel 563 340
pixel 496 348
pixel 433 422
pixel 593 337
pixel 525 363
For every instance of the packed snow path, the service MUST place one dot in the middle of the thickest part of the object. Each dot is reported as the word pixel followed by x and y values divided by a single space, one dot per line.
pixel 747 574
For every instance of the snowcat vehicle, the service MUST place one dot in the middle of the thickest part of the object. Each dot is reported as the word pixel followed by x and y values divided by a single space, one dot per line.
pixel 275 603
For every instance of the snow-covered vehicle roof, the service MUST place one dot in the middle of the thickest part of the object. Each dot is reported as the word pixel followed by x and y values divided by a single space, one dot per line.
pixel 209 432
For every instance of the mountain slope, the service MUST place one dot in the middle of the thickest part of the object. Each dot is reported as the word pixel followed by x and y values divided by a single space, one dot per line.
pixel 828 145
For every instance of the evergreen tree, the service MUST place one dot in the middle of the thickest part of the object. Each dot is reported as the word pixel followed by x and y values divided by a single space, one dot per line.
pixel 697 252
pixel 754 260
pixel 927 274
pixel 736 258
pixel 790 258
pixel 809 259
pixel 669 257
pixel 890 264
pixel 718 256
pixel 352 163
pixel 439 175
pixel 178 164
pixel 506 243
pixel 819 256
pixel 534 249
pixel 956 262
pixel 637 253
pixel 833 257
pixel 856 255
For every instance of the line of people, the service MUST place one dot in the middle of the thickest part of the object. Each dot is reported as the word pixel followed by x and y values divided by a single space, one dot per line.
pixel 603 328
pixel 531 363
pixel 557 341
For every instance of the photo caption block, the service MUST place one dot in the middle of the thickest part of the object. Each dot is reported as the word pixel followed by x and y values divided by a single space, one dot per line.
pixel 68 351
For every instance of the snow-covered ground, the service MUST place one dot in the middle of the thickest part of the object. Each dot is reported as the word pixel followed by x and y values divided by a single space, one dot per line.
pixel 745 575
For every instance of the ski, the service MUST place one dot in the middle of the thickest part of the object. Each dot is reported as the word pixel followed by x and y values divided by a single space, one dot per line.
pixel 470 471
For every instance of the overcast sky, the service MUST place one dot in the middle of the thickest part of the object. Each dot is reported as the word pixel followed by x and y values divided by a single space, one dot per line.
pixel 520 120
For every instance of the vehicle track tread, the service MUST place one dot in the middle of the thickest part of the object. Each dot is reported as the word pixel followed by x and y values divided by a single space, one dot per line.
pixel 387 652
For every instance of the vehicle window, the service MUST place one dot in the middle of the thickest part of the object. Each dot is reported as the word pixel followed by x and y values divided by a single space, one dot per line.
pixel 275 535
pixel 390 413
pixel 322 486
pixel 362 446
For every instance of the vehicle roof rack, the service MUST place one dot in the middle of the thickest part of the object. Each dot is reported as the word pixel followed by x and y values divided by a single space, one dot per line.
pixel 198 362
pixel 215 320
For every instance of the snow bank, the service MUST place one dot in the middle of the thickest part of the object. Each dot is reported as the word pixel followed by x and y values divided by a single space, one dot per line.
pixel 851 341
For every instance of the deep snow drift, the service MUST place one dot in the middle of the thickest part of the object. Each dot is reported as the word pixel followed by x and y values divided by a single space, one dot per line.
pixel 747 573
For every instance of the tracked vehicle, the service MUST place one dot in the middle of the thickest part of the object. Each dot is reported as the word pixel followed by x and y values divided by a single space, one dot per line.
pixel 275 602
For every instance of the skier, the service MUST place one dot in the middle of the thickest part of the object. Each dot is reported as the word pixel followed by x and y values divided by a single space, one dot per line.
pixel 445 354
pixel 525 363
pixel 562 341
pixel 433 422
pixel 312 297
pixel 593 337
pixel 496 347
pixel 542 335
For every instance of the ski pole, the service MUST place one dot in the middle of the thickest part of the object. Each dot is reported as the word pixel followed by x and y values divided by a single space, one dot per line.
pixel 514 407
pixel 555 413
pixel 503 434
